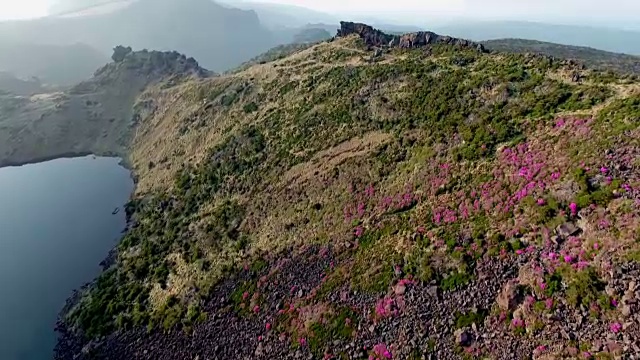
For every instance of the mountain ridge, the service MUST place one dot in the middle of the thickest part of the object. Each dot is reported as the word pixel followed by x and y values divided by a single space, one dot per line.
pixel 219 36
pixel 374 37
pixel 351 201
pixel 621 63
pixel 602 38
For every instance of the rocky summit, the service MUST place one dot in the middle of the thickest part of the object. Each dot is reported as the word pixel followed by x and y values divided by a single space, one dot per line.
pixel 373 37
pixel 373 197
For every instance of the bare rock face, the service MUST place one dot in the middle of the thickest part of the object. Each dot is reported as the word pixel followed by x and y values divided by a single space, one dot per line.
pixel 371 36
pixel 567 229
pixel 376 38
pixel 424 38
pixel 508 297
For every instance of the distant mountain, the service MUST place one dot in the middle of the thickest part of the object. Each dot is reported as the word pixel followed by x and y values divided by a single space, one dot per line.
pixel 311 35
pixel 53 64
pixel 277 16
pixel 622 63
pixel 220 37
pixel 620 41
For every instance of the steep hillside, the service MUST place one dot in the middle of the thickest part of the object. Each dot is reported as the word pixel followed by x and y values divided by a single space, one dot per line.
pixel 96 116
pixel 622 63
pixel 219 37
pixel 377 196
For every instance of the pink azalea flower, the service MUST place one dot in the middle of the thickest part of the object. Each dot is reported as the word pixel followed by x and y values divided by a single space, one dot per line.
pixel 581 265
pixel 381 350
pixel 568 258
pixel 268 326
pixel 529 300
pixel 614 302
pixel 359 231
pixel 543 286
pixel 541 202
pixel 553 256
pixel 303 342
pixel 604 170
pixel 574 208
pixel 596 246
pixel 518 323
pixel 548 303
pixel 256 309
pixel 519 252
pixel 502 317
pixel 245 296
pixel 370 191
pixel 615 327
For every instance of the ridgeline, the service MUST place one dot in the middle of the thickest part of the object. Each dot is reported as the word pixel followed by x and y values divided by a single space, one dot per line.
pixel 377 196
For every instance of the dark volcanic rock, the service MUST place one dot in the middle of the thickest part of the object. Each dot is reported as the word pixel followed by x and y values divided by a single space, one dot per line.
pixel 371 36
pixel 377 38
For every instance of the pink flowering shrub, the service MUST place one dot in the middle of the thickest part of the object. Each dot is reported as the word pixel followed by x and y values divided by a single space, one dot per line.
pixel 386 307
pixel 615 327
pixel 380 351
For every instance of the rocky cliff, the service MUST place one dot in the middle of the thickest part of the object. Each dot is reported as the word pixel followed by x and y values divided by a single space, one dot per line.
pixel 96 116
pixel 377 38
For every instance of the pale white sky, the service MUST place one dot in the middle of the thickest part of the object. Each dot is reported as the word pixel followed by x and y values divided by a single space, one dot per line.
pixel 22 9
pixel 412 10
pixel 628 10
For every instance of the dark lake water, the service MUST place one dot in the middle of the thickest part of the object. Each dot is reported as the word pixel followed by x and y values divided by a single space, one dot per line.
pixel 56 226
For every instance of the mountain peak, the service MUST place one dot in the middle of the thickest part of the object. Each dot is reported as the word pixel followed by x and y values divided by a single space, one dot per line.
pixel 377 38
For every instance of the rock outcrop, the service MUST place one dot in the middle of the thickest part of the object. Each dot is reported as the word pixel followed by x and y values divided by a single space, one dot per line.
pixel 371 36
pixel 376 38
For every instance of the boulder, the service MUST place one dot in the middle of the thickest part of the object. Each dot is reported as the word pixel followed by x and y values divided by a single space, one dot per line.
pixel 462 337
pixel 567 229
pixel 508 299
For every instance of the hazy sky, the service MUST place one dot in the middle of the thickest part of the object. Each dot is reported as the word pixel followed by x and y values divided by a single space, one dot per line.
pixel 20 9
pixel 626 10
pixel 612 11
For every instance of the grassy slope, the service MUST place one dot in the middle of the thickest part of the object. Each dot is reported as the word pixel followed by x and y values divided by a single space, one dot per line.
pixel 429 162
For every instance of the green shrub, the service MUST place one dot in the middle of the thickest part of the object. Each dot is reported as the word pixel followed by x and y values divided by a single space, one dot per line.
pixel 466 319
pixel 585 288
pixel 333 328
pixel 250 107
pixel 455 280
